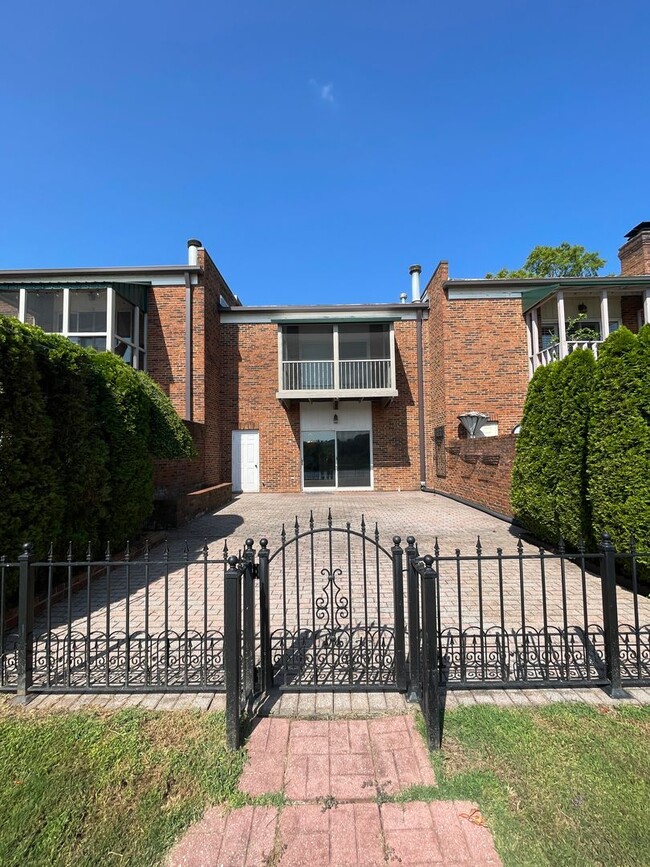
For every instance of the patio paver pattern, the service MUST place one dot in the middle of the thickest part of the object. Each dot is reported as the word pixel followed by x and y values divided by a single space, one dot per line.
pixel 335 775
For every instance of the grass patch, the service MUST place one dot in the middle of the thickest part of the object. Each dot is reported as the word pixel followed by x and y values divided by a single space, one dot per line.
pixel 564 784
pixel 111 789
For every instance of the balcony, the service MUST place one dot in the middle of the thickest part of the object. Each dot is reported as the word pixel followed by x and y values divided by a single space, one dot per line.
pixel 335 361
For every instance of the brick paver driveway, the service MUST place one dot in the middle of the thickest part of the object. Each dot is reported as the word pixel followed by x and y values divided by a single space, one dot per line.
pixel 308 593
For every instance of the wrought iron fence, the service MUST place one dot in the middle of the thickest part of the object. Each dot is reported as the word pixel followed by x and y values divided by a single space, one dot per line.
pixel 327 608
pixel 530 619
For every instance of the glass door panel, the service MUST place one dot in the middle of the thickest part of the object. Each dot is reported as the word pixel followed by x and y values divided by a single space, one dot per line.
pixel 318 450
pixel 353 459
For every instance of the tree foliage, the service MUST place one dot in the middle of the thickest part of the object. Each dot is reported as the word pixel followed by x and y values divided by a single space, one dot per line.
pixel 565 260
pixel 78 430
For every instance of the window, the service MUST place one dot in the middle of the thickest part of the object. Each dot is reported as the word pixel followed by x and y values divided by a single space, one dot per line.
pixel 550 336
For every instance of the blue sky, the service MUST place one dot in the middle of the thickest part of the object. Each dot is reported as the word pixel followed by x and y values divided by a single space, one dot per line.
pixel 319 147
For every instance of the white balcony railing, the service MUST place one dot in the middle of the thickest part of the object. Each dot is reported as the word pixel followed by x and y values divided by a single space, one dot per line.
pixel 353 375
pixel 365 374
pixel 307 375
pixel 554 353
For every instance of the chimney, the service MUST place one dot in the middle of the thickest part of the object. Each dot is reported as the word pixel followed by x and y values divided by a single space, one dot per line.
pixel 415 271
pixel 635 252
pixel 193 247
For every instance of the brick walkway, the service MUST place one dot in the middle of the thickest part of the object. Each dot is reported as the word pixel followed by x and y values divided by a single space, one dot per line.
pixel 336 775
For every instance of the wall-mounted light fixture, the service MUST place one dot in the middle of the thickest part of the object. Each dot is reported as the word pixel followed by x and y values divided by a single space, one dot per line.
pixel 473 421
pixel 335 419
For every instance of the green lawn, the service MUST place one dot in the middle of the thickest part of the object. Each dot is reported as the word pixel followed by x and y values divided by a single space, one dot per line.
pixel 560 785
pixel 107 789
pixel 565 784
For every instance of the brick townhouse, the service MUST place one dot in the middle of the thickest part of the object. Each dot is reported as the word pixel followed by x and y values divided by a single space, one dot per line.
pixel 325 397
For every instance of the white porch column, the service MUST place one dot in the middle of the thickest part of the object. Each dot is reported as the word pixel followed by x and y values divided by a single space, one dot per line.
pixel 529 343
pixel 335 346
pixel 561 324
pixel 534 337
pixel 110 319
pixel 604 315
pixel 646 306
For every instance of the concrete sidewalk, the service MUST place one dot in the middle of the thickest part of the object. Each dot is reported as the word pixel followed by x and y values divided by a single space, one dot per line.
pixel 336 776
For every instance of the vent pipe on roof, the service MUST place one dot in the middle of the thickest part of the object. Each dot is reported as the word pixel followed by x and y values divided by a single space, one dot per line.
pixel 415 271
pixel 193 247
pixel 402 297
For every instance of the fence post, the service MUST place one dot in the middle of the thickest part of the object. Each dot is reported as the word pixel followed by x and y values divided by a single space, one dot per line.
pixel 398 607
pixel 265 626
pixel 430 668
pixel 610 617
pixel 412 590
pixel 248 678
pixel 232 651
pixel 25 650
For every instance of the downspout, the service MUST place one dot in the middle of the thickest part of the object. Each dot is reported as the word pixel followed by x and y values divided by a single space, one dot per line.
pixel 422 436
pixel 189 346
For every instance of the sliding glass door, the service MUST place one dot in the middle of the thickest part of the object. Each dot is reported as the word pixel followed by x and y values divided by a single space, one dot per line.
pixel 336 459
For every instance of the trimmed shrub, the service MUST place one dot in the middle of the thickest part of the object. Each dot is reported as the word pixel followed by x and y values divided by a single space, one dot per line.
pixel 574 382
pixel 619 439
pixel 78 430
pixel 168 436
pixel 31 497
pixel 79 451
pixel 534 474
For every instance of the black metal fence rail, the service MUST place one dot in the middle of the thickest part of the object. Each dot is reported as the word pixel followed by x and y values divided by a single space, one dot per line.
pixel 330 608
pixel 114 623
pixel 538 619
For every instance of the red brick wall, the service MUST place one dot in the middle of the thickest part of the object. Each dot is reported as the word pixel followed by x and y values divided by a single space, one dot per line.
pixel 208 397
pixel 630 306
pixel 434 363
pixel 179 475
pixel 166 342
pixel 635 256
pixel 249 360
pixel 477 360
pixel 486 363
pixel 395 427
pixel 480 471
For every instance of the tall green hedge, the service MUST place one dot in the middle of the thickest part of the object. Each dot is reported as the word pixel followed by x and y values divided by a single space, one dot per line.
pixel 619 439
pixel 582 465
pixel 534 476
pixel 78 430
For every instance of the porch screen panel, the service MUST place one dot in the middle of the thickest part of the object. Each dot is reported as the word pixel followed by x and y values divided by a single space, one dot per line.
pixel 9 302
pixel 45 309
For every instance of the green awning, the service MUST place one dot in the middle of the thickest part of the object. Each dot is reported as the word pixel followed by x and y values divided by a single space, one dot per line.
pixel 532 297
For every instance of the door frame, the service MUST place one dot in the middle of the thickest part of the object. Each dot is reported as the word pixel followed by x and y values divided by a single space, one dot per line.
pixel 237 435
pixel 335 486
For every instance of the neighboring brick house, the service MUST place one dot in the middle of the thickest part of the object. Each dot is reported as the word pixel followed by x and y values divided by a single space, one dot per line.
pixel 329 397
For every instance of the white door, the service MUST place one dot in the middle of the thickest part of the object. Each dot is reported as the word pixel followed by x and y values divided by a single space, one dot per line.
pixel 245 460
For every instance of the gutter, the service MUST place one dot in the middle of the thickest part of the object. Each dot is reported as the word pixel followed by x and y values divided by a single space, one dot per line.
pixel 421 431
pixel 189 347
pixel 509 519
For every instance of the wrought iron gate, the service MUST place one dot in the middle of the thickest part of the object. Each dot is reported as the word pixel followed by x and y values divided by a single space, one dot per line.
pixel 333 610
